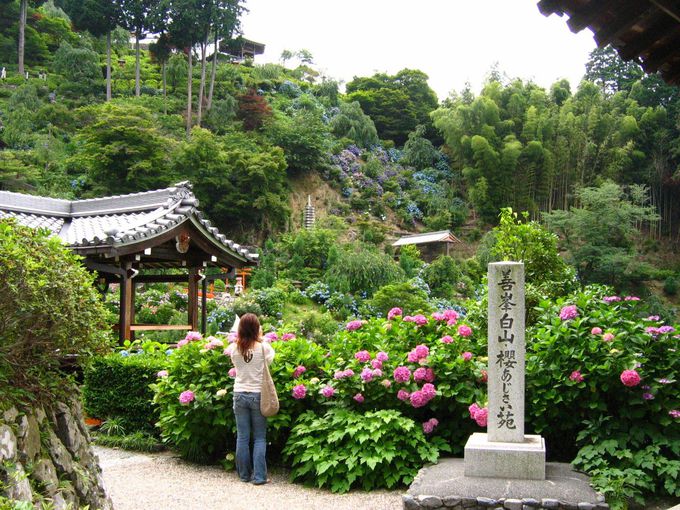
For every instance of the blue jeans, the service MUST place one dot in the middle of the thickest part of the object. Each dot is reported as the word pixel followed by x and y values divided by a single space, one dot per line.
pixel 250 422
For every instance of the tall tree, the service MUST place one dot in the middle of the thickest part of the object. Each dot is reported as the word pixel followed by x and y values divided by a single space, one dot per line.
pixel 185 29
pixel 23 15
pixel 227 24
pixel 139 16
pixel 161 51
pixel 99 17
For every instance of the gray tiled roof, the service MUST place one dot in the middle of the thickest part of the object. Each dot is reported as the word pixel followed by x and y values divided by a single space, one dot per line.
pixel 116 220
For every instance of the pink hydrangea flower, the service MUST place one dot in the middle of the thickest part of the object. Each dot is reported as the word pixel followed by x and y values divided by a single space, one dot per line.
pixel 407 318
pixel 359 398
pixel 430 425
pixel 419 374
pixel 288 336
pixel 271 336
pixel 376 363
pixel 394 312
pixel 464 330
pixel 353 325
pixel 674 413
pixel 402 374
pixel 418 399
pixel 366 375
pixel 568 312
pixel 299 392
pixel 649 329
pixel 648 396
pixel 377 372
pixel 232 372
pixel 608 337
pixel 193 336
pixel 423 374
pixel 429 391
pixel 182 343
pixel 213 343
pixel 339 374
pixel 412 357
pixel 576 376
pixel 447 339
pixel 420 320
pixel 299 370
pixel 422 351
pixel 653 318
pixel 631 298
pixel 666 329
pixel 439 316
pixel 482 416
pixel 186 397
pixel 611 299
pixel 467 356
pixel 382 356
pixel 232 337
pixel 348 373
pixel 162 373
pixel 403 395
pixel 473 409
pixel 451 315
pixel 630 378
pixel 328 391
pixel 485 376
pixel 362 356
pixel 386 383
pixel 596 331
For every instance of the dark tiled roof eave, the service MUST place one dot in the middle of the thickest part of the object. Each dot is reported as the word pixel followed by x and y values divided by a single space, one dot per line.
pixel 110 224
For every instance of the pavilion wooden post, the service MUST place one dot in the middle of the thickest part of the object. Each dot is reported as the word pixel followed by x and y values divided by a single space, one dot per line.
pixel 131 313
pixel 192 304
pixel 126 302
pixel 204 305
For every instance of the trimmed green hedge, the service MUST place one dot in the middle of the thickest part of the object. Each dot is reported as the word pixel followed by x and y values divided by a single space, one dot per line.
pixel 117 386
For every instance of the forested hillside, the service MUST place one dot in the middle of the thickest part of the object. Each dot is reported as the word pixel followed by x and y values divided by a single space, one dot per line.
pixel 398 158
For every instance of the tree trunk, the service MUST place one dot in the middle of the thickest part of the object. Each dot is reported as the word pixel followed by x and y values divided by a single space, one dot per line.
pixel 189 94
pixel 212 75
pixel 165 90
pixel 201 89
pixel 137 65
pixel 23 13
pixel 108 66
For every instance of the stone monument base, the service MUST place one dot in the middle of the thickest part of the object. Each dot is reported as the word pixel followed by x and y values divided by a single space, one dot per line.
pixel 444 486
pixel 487 459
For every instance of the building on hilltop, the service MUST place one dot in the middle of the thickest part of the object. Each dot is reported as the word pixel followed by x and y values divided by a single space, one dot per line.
pixel 430 243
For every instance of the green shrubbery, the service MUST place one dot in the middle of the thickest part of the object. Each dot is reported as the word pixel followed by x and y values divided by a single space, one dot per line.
pixel 49 310
pixel 117 387
pixel 371 450
pixel 577 393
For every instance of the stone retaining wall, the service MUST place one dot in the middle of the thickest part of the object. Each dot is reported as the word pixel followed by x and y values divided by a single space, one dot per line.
pixel 45 456
pixel 435 502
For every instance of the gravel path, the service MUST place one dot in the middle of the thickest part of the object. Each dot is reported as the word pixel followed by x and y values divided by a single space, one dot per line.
pixel 141 481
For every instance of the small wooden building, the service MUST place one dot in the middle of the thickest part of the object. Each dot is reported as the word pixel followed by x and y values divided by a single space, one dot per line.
pixel 431 243
pixel 128 239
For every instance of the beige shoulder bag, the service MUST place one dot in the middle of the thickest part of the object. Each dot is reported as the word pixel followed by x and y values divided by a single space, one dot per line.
pixel 269 400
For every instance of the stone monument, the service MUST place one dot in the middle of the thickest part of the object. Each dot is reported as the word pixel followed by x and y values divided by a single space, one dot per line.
pixel 505 451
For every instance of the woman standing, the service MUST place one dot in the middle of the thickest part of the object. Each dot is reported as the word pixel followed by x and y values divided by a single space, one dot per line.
pixel 249 354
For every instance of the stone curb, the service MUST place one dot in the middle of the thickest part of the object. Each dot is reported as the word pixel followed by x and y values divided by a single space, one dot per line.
pixel 426 502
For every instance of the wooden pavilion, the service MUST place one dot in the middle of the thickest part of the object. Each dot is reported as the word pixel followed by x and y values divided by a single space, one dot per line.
pixel 130 239
pixel 647 31
pixel 428 240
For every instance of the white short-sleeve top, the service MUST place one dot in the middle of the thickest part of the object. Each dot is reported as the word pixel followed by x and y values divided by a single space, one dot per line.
pixel 249 374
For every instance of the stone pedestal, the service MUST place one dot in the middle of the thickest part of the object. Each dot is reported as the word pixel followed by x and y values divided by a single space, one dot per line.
pixel 493 459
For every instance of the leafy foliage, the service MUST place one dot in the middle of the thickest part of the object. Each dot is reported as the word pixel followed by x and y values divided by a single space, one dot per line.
pixel 116 387
pixel 48 309
pixel 343 448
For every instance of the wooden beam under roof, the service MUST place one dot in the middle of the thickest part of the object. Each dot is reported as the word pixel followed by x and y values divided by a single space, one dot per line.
pixel 658 29
pixel 658 57
pixel 627 15
pixel 584 18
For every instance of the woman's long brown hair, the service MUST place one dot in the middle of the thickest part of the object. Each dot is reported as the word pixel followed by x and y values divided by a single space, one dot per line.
pixel 248 332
